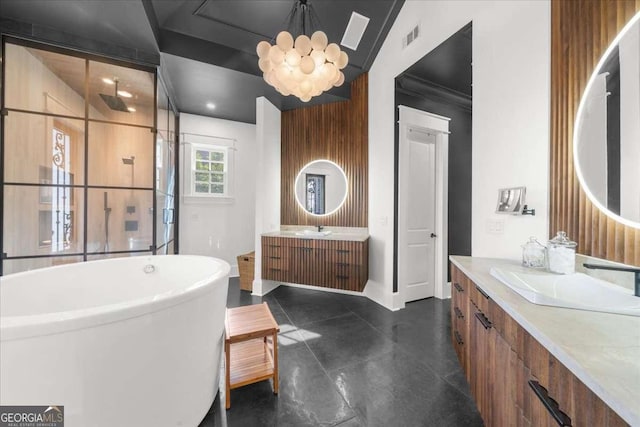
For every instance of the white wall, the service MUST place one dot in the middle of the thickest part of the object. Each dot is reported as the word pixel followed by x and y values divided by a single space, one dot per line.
pixel 267 183
pixel 218 229
pixel 511 85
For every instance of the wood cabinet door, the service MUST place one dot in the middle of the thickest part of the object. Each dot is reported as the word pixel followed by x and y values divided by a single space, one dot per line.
pixel 480 354
pixel 503 382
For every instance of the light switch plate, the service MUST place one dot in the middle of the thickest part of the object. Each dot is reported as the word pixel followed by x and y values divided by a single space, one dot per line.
pixel 495 226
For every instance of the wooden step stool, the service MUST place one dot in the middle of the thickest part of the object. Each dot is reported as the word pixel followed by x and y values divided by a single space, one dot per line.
pixel 251 347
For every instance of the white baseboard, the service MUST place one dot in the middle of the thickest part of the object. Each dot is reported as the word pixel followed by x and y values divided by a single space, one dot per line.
pixel 447 291
pixel 375 293
pixel 262 287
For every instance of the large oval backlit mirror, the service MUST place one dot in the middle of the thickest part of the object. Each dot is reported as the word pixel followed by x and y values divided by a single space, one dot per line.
pixel 606 144
pixel 321 187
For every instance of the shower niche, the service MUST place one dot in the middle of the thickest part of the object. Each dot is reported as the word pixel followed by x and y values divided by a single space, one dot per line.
pixel 88 158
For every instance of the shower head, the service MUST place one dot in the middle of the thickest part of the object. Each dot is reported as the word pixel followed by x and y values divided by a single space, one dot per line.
pixel 128 160
pixel 114 101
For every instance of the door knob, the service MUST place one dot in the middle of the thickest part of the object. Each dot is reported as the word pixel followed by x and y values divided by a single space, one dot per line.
pixel 433 235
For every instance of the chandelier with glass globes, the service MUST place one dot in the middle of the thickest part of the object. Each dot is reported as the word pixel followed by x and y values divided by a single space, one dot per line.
pixel 304 67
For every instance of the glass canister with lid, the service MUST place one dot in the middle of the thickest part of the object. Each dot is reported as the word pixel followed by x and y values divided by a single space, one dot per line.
pixel 561 254
pixel 533 254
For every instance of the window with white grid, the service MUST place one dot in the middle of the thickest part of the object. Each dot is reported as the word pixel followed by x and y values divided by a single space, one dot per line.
pixel 210 171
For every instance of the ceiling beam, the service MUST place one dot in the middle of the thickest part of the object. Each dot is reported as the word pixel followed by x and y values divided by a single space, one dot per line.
pixel 153 19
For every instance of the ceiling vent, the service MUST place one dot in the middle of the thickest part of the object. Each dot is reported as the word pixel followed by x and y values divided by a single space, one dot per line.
pixel 355 29
pixel 411 36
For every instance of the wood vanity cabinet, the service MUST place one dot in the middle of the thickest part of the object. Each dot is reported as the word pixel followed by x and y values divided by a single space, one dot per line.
pixel 337 264
pixel 514 380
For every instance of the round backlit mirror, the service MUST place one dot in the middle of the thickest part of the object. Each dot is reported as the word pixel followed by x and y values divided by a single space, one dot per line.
pixel 321 187
pixel 606 144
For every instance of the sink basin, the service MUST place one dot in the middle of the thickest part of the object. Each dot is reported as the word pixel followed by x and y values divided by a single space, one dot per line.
pixel 577 291
pixel 313 233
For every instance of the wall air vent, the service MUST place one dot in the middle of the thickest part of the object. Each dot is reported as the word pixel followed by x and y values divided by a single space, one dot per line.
pixel 411 36
pixel 355 29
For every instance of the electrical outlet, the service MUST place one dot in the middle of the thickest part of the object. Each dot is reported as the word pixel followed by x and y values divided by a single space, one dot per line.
pixel 495 226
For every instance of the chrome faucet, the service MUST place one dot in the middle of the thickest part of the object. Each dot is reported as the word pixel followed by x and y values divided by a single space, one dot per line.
pixel 320 228
pixel 636 272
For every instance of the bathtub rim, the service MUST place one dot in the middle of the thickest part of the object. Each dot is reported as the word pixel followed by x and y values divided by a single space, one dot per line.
pixel 35 325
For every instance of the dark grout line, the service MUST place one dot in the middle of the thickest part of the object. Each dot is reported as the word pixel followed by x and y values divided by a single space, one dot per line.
pixel 306 344
pixel 402 348
pixel 321 320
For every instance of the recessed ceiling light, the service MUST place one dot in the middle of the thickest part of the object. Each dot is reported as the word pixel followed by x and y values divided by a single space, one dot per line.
pixel 124 94
pixel 131 109
pixel 211 105
pixel 108 81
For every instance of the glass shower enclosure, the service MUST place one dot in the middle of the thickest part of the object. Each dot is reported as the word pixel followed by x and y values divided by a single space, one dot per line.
pixel 88 158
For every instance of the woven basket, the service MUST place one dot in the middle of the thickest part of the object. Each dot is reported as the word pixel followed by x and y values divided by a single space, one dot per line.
pixel 246 268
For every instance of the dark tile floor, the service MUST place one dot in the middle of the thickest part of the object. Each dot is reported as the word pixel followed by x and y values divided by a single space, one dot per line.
pixel 346 361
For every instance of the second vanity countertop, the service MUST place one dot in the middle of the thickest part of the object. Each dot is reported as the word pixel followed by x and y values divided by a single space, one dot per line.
pixel 337 233
pixel 601 349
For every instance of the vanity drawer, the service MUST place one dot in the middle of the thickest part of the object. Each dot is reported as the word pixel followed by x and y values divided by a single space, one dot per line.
pixel 275 247
pixel 277 262
pixel 341 271
pixel 275 273
pixel 306 243
pixel 478 297
pixel 346 252
pixel 459 285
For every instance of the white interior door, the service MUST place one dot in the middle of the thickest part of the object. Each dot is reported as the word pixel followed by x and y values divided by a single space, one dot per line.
pixel 417 213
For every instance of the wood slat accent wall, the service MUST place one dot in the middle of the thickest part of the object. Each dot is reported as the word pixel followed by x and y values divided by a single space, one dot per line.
pixel 581 30
pixel 336 132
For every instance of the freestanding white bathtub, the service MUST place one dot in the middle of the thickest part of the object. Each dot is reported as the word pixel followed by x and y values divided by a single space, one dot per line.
pixel 121 342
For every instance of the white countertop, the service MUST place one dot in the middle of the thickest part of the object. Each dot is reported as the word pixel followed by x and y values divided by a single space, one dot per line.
pixel 601 349
pixel 337 233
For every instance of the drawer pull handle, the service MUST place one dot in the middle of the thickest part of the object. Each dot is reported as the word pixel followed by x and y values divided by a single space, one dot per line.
pixel 274 246
pixel 342 264
pixel 274 269
pixel 458 287
pixel 483 319
pixel 343 251
pixel 458 338
pixel 482 292
pixel 273 257
pixel 459 314
pixel 341 277
pixel 552 406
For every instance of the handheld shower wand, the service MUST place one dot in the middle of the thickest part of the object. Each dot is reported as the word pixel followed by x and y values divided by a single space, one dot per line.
pixel 107 211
